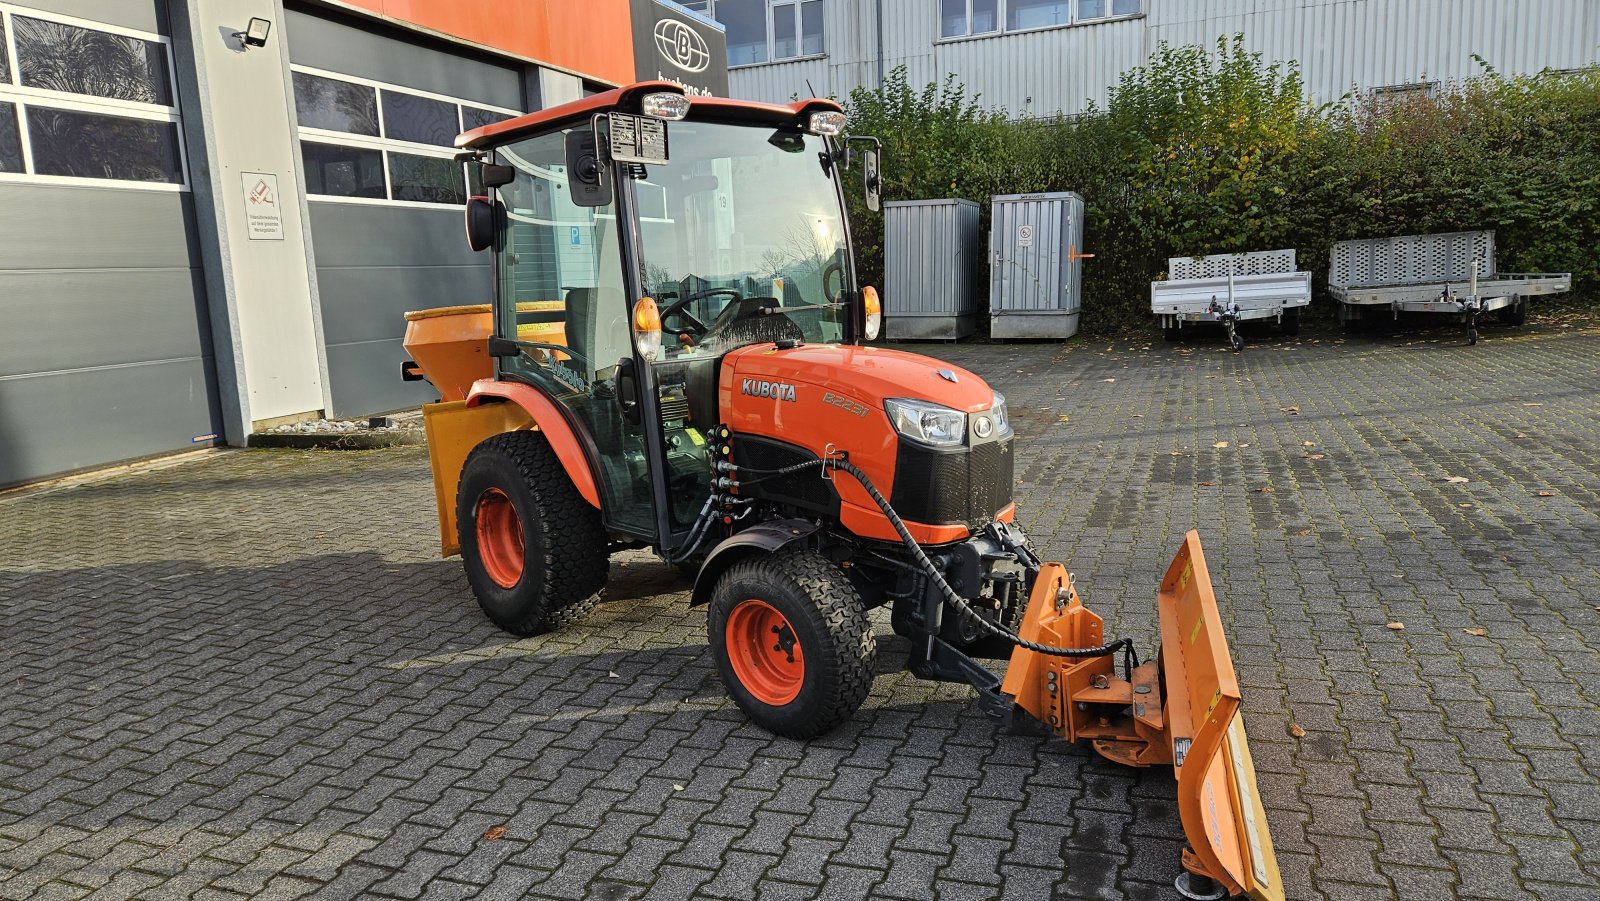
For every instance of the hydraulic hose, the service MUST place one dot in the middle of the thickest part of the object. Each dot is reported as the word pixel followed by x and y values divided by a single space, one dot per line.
pixel 953 600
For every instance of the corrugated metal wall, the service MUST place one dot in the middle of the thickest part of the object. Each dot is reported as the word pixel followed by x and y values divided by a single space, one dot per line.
pixel 1339 43
pixel 105 343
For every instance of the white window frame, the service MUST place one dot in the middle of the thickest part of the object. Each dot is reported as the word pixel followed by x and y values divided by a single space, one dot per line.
pixel 769 17
pixel 1002 15
pixel 382 144
pixel 21 97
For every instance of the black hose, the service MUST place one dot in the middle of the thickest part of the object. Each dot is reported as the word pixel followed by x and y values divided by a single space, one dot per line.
pixel 953 600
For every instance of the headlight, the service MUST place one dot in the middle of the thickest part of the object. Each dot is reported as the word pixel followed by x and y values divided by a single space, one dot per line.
pixel 1002 416
pixel 926 421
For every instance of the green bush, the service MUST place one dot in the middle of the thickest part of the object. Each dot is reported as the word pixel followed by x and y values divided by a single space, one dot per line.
pixel 1218 151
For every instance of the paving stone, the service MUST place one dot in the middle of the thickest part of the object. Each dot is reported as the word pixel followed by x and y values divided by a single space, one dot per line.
pixel 287 693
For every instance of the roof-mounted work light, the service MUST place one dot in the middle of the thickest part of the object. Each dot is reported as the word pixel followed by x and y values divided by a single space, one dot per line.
pixel 827 123
pixel 664 105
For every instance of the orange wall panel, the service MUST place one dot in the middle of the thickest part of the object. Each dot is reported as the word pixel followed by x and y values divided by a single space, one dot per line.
pixel 594 37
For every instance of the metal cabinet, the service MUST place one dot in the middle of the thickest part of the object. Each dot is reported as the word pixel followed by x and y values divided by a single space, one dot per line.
pixel 930 248
pixel 1035 265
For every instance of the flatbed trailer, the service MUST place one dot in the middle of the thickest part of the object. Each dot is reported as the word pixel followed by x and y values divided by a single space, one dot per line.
pixel 1452 274
pixel 1229 288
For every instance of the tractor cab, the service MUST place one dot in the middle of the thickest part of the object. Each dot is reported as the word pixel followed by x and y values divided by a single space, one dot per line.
pixel 638 238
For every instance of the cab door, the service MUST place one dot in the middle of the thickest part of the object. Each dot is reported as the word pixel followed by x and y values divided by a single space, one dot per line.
pixel 560 290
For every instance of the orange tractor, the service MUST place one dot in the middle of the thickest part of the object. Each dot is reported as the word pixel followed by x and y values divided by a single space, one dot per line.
pixel 674 359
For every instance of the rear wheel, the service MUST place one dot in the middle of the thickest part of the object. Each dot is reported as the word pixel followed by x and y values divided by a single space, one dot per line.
pixel 1291 321
pixel 1516 314
pixel 535 551
pixel 792 642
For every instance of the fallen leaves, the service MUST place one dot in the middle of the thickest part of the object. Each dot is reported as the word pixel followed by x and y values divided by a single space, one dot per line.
pixel 1108 381
pixel 1464 506
pixel 1302 531
pixel 1478 632
pixel 1220 444
pixel 494 833
pixel 1065 419
pixel 1177 453
pixel 1291 410
pixel 1308 444
pixel 1296 730
pixel 1316 456
pixel 1533 404
pixel 1207 484
pixel 1264 489
pixel 1457 480
pixel 1547 494
pixel 1396 626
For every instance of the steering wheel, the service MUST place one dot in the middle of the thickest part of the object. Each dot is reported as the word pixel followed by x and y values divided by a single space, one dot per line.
pixel 830 271
pixel 676 308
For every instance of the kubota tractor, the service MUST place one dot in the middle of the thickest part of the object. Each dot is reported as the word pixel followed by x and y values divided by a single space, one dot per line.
pixel 674 359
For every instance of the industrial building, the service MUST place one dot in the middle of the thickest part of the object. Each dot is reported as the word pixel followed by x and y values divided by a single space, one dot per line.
pixel 214 213
pixel 1041 57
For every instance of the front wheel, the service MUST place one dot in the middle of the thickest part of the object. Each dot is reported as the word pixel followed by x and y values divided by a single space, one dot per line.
pixel 792 642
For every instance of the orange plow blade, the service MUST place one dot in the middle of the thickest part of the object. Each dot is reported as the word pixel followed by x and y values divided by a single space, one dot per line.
pixel 1181 708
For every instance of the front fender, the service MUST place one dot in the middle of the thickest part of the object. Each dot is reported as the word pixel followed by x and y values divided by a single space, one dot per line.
pixel 766 538
pixel 547 417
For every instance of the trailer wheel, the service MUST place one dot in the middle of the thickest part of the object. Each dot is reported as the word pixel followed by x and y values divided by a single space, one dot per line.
pixel 1290 324
pixel 792 642
pixel 534 550
pixel 1516 314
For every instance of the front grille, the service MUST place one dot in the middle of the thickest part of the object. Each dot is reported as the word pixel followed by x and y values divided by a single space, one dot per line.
pixel 803 489
pixel 966 485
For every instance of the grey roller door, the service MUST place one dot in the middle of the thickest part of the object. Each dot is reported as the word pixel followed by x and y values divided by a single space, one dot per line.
pixel 377 258
pixel 105 343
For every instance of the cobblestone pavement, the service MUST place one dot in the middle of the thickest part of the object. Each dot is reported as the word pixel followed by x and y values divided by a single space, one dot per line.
pixel 250 675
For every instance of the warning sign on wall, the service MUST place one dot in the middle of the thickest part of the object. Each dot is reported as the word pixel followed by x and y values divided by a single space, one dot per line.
pixel 263 215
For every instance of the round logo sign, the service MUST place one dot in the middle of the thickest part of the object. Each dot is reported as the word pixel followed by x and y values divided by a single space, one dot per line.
pixel 984 427
pixel 681 46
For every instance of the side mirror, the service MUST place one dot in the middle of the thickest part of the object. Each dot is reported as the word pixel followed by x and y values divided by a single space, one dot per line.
pixel 480 223
pixel 870 179
pixel 496 176
pixel 584 182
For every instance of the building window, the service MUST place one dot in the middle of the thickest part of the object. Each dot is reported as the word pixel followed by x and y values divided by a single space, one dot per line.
pixel 82 100
pixel 767 30
pixel 966 18
pixel 370 141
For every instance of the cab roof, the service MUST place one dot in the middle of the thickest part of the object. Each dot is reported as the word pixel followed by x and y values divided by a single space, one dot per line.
pixel 626 99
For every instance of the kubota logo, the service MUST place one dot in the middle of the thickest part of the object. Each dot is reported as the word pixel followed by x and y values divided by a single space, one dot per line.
pixel 775 390
pixel 681 46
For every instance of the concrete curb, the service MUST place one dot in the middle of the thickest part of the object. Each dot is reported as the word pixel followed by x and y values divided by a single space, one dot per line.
pixel 339 440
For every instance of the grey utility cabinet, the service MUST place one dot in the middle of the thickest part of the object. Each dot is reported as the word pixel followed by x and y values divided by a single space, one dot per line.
pixel 930 249
pixel 1035 265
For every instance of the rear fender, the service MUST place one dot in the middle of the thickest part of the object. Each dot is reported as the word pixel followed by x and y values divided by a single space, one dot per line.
pixel 547 418
pixel 766 538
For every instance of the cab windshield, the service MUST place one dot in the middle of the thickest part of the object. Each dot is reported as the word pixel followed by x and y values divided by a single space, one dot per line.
pixel 742 240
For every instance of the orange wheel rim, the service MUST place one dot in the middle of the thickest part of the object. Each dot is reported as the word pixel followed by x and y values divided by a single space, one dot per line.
pixel 765 653
pixel 499 538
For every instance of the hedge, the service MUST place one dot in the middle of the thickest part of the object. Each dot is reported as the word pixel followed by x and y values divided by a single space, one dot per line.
pixel 1219 151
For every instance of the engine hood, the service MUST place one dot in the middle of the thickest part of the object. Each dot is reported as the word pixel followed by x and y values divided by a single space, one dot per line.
pixel 867 374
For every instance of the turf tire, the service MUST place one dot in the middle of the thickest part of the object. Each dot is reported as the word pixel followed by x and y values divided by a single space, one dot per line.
pixel 830 626
pixel 564 544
